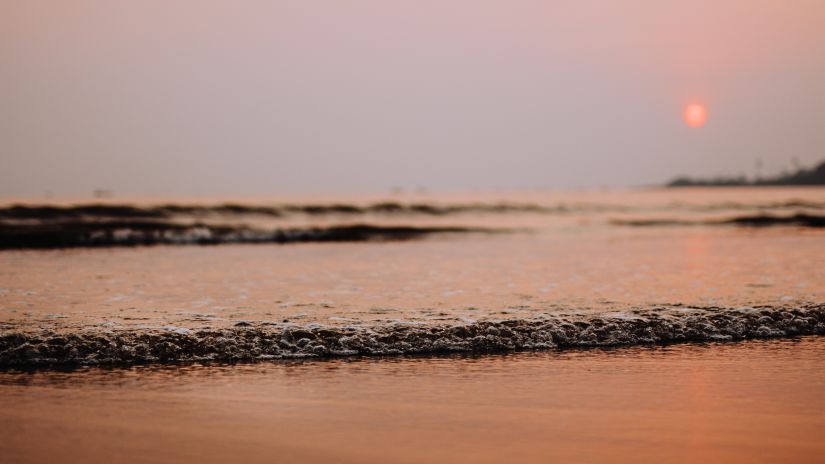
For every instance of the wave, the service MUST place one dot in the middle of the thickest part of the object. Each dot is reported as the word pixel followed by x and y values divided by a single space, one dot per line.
pixel 132 233
pixel 24 212
pixel 761 220
pixel 804 220
pixel 167 211
pixel 255 342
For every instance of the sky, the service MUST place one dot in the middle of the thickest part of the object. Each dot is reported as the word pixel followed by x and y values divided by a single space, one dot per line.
pixel 204 97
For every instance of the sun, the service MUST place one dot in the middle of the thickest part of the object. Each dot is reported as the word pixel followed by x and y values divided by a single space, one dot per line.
pixel 695 115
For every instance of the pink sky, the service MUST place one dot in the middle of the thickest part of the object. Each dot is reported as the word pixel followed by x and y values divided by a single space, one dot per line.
pixel 269 97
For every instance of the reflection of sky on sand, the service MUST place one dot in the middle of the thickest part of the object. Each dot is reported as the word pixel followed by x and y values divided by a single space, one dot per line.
pixel 756 401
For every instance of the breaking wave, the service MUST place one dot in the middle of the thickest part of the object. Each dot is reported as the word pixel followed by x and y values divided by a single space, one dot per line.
pixel 133 233
pixel 251 342
pixel 761 220
pixel 46 212
pixel 167 211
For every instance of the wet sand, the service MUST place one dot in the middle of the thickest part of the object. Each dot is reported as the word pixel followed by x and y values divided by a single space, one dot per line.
pixel 749 402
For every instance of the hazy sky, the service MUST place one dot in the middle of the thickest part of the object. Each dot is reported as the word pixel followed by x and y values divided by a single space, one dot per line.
pixel 269 97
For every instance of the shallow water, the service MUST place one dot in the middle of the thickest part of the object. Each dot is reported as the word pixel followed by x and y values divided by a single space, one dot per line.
pixel 565 258
pixel 575 259
pixel 573 272
pixel 427 281
pixel 749 402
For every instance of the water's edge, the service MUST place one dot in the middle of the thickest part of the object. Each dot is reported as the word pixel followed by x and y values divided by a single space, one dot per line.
pixel 247 342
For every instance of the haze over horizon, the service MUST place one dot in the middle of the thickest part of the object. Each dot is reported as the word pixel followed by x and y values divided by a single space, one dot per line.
pixel 310 96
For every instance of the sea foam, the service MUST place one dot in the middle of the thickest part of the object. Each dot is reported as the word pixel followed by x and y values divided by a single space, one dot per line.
pixel 258 341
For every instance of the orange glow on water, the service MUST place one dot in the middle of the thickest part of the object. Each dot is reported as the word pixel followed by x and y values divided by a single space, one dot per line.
pixel 695 115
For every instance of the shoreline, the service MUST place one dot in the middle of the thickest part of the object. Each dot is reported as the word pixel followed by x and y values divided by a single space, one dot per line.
pixel 271 341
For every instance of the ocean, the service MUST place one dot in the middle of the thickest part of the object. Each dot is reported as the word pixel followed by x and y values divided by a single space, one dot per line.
pixel 677 324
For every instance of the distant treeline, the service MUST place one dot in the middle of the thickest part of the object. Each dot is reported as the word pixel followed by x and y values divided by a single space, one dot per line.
pixel 814 176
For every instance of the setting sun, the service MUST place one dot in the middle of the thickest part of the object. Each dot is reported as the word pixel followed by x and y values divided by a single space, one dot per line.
pixel 695 115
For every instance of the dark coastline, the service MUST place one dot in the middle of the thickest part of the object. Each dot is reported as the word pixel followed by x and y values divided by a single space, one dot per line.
pixel 802 177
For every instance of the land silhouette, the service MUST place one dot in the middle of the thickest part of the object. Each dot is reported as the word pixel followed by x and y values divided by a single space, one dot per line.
pixel 813 176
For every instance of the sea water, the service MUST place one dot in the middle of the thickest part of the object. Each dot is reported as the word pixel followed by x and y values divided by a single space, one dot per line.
pixel 541 327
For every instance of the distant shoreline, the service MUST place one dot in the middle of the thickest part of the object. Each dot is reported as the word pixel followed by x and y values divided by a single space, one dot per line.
pixel 814 176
